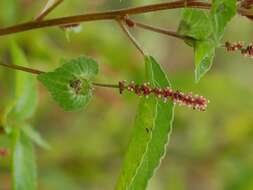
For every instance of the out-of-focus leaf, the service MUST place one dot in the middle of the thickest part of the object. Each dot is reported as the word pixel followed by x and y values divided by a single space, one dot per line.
pixel 23 162
pixel 153 125
pixel 35 136
pixel 221 13
pixel 25 87
pixel 9 14
pixel 70 84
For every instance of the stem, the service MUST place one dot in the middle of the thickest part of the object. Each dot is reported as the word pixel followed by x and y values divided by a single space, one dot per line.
pixel 107 15
pixel 20 68
pixel 131 37
pixel 159 30
pixel 106 85
pixel 45 11
pixel 37 72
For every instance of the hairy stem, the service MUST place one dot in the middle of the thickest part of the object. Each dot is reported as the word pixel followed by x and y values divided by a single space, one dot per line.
pixel 107 15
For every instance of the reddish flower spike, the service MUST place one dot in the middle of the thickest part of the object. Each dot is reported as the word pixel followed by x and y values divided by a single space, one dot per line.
pixel 239 46
pixel 190 100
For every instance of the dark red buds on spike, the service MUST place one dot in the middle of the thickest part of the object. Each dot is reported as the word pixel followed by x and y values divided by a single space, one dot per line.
pixel 190 100
pixel 246 51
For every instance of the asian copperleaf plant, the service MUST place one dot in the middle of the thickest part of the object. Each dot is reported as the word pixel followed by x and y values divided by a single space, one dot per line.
pixel 71 85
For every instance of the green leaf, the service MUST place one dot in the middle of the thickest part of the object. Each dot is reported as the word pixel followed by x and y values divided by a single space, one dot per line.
pixel 70 84
pixel 23 162
pixel 35 136
pixel 153 125
pixel 221 13
pixel 195 24
pixel 204 52
pixel 207 30
pixel 25 88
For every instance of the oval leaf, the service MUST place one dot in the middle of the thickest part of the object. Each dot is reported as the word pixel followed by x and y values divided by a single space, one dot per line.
pixel 153 125
pixel 70 84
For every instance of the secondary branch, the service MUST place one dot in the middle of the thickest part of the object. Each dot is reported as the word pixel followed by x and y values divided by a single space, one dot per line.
pixel 37 72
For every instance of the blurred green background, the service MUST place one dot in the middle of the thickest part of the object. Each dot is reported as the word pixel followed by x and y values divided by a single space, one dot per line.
pixel 210 150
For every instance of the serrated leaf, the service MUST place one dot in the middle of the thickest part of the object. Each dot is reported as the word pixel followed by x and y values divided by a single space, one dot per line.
pixel 207 29
pixel 25 88
pixel 221 13
pixel 70 84
pixel 35 136
pixel 195 24
pixel 153 125
pixel 204 52
pixel 23 162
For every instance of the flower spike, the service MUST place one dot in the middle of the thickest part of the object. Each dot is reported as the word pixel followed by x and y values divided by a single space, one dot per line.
pixel 246 51
pixel 194 101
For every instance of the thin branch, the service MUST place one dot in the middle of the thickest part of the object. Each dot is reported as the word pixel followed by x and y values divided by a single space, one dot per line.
pixel 47 9
pixel 20 68
pixel 130 36
pixel 155 29
pixel 37 72
pixel 106 85
pixel 107 15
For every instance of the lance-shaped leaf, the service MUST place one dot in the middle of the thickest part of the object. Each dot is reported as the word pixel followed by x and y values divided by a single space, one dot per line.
pixel 70 84
pixel 152 127
pixel 23 162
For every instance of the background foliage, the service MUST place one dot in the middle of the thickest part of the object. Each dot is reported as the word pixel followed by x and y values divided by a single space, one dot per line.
pixel 210 150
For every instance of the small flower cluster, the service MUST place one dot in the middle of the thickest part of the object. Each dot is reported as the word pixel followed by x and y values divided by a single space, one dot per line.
pixel 190 100
pixel 239 46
